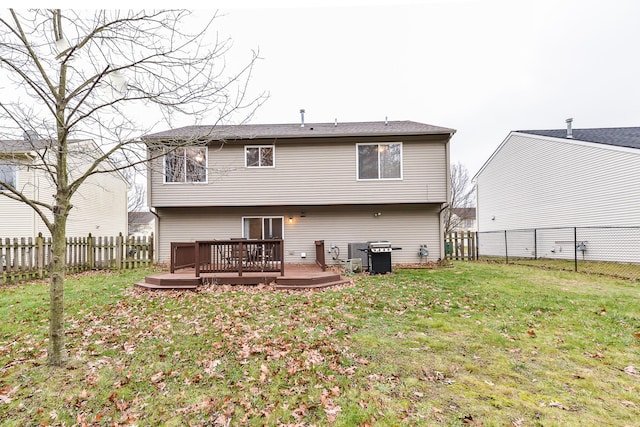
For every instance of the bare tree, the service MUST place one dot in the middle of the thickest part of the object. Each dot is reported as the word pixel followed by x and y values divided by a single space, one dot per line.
pixel 73 76
pixel 462 193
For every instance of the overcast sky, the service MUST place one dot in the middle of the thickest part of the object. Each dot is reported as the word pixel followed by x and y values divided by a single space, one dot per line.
pixel 482 67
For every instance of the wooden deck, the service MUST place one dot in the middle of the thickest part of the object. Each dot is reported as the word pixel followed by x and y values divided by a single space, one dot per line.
pixel 297 276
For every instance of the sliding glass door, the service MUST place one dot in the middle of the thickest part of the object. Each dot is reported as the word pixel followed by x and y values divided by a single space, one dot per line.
pixel 263 227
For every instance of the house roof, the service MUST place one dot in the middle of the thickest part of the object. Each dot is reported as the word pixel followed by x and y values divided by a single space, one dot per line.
pixel 465 213
pixel 140 217
pixel 22 146
pixel 622 137
pixel 310 130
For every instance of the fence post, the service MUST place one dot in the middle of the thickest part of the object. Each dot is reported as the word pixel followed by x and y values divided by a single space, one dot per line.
pixel 119 251
pixel 91 259
pixel 535 243
pixel 575 249
pixel 472 248
pixel 506 250
pixel 40 255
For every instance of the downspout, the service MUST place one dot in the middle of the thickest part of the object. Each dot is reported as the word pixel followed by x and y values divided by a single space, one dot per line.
pixel 445 205
pixel 156 235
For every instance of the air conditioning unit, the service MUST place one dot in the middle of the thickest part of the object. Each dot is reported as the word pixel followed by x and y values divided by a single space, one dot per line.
pixel 353 265
pixel 355 252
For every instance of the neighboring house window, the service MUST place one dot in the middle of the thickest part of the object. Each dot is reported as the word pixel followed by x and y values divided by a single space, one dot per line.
pixel 380 161
pixel 259 156
pixel 8 174
pixel 187 164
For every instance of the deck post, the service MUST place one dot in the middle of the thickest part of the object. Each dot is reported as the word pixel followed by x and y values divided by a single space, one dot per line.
pixel 240 257
pixel 197 256
pixel 282 257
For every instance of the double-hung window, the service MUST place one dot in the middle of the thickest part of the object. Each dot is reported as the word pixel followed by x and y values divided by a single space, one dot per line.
pixel 186 165
pixel 379 161
pixel 259 156
pixel 8 175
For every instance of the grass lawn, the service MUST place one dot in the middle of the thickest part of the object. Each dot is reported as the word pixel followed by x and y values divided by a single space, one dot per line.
pixel 473 345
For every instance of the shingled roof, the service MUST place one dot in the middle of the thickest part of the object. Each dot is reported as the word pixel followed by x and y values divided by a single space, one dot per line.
pixel 621 137
pixel 22 146
pixel 310 130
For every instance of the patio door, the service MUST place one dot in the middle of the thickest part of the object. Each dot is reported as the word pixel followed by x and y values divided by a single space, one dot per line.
pixel 263 227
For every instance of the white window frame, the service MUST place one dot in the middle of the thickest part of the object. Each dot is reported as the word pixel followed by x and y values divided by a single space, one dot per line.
pixel 400 178
pixel 205 163
pixel 15 174
pixel 259 166
pixel 262 218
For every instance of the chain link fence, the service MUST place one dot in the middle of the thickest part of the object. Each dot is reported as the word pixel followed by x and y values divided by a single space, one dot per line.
pixel 612 251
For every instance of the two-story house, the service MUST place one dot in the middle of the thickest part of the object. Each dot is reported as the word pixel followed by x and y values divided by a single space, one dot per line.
pixel 99 204
pixel 338 182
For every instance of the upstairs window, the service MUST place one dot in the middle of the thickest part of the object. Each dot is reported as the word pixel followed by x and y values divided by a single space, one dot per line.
pixel 259 156
pixel 184 165
pixel 9 175
pixel 379 161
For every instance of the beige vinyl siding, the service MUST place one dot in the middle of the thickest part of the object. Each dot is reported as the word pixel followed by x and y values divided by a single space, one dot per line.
pixel 406 226
pixel 546 182
pixel 99 206
pixel 308 173
pixel 17 219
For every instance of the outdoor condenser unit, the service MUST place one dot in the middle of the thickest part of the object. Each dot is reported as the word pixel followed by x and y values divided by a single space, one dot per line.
pixel 354 251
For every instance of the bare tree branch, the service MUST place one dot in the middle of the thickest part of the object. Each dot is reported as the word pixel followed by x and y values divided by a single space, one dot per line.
pixel 79 76
pixel 462 194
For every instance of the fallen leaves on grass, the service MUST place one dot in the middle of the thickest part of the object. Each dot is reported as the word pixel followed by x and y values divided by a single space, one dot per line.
pixel 558 405
pixel 6 392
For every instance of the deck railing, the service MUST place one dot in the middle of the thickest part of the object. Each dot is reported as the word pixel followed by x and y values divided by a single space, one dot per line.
pixel 229 256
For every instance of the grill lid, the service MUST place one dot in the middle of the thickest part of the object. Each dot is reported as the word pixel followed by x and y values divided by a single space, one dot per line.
pixel 379 244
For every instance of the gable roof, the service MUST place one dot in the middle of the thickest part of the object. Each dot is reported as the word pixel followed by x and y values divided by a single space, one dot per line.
pixel 310 130
pixel 622 137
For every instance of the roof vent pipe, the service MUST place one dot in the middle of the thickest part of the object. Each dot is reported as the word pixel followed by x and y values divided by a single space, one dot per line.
pixel 386 121
pixel 302 117
pixel 569 130
pixel 335 123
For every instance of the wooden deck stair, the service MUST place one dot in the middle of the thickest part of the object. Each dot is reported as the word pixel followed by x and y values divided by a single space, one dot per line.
pixel 305 282
pixel 170 281
pixel 296 278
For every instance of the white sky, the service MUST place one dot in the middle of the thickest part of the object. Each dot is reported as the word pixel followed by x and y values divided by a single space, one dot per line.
pixel 483 67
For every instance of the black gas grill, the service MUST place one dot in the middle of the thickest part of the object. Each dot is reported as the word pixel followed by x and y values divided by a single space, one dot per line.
pixel 379 254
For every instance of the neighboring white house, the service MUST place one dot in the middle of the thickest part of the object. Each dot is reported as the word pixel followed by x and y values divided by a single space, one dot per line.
pixel 539 179
pixel 99 205
pixel 464 219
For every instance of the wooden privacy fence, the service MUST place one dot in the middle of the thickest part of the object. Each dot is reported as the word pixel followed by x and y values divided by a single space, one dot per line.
pixel 29 258
pixel 461 246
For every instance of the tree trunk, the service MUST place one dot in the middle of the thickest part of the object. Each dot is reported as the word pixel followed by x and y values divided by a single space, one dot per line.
pixel 57 355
